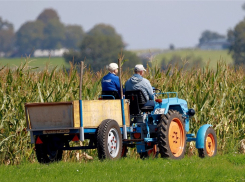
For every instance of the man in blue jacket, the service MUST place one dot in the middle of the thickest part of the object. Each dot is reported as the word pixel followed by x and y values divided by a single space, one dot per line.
pixel 110 82
pixel 137 82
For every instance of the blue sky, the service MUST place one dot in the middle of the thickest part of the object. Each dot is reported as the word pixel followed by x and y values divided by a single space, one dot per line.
pixel 142 24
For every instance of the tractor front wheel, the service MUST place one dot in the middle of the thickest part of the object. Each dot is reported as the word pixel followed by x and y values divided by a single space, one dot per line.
pixel 171 135
pixel 210 144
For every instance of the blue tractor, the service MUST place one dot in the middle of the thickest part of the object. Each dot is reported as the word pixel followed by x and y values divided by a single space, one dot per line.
pixel 162 126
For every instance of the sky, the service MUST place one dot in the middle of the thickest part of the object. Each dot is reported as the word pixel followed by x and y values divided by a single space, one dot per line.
pixel 142 24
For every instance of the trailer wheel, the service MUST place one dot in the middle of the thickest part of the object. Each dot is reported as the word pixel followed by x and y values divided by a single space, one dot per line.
pixel 47 152
pixel 210 144
pixel 109 140
pixel 171 135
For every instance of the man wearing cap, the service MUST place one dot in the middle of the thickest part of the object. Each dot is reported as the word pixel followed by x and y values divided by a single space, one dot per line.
pixel 137 82
pixel 110 82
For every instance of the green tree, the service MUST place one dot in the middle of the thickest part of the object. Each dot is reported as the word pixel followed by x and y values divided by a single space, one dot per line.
pixel 101 46
pixel 54 35
pixel 74 35
pixel 209 35
pixel 131 60
pixel 54 30
pixel 47 32
pixel 237 39
pixel 29 37
pixel 7 37
pixel 48 15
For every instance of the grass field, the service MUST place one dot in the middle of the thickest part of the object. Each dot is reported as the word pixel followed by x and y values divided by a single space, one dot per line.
pixel 219 168
pixel 211 56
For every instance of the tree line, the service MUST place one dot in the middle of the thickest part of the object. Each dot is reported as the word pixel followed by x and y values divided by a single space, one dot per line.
pixel 46 32
pixel 99 46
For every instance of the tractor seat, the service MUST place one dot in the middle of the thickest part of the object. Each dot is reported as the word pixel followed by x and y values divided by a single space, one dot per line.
pixel 110 95
pixel 149 106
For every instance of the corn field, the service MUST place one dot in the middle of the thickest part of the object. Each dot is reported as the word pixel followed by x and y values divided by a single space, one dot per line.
pixel 218 98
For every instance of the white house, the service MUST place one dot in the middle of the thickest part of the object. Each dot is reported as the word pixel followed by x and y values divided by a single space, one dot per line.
pixel 49 53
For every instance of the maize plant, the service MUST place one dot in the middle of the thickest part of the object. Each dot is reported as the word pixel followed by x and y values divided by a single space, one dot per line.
pixel 218 98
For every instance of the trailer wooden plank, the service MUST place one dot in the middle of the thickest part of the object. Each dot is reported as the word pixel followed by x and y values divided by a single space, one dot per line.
pixel 47 104
pixel 67 114
pixel 50 116
pixel 95 111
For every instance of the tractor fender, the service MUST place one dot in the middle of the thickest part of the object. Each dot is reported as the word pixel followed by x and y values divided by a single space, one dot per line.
pixel 201 136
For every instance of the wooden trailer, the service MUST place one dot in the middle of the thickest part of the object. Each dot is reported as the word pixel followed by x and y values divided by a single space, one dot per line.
pixel 61 121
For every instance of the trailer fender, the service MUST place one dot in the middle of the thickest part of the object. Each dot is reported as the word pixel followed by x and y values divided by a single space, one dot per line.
pixel 201 136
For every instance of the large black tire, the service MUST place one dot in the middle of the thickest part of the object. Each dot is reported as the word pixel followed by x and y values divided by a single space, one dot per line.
pixel 47 151
pixel 171 135
pixel 109 140
pixel 210 144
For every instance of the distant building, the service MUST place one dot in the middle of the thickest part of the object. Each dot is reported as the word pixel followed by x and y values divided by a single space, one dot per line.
pixel 218 44
pixel 49 53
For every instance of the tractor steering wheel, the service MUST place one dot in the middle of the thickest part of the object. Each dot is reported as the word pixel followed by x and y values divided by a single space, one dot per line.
pixel 156 91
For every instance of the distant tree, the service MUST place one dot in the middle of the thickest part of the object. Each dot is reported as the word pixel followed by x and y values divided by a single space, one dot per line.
pixel 209 35
pixel 29 37
pixel 243 6
pixel 54 30
pixel 100 47
pixel 7 37
pixel 171 47
pixel 48 15
pixel 104 29
pixel 54 35
pixel 237 39
pixel 131 60
pixel 47 32
pixel 74 35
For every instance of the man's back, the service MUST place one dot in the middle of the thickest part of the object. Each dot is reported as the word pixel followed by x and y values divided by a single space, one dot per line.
pixel 110 82
pixel 137 82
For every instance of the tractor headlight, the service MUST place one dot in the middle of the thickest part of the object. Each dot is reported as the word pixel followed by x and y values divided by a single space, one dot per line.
pixel 159 111
pixel 191 112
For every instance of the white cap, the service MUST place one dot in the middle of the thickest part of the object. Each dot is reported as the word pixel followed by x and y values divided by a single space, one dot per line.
pixel 112 66
pixel 139 67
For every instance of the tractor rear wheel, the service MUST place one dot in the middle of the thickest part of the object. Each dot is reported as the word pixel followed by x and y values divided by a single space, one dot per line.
pixel 109 140
pixel 210 144
pixel 171 135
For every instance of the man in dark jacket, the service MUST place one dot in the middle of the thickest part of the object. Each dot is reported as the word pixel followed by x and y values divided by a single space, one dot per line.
pixel 110 82
pixel 137 82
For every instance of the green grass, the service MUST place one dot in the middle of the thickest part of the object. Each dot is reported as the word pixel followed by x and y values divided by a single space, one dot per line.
pixel 211 56
pixel 207 55
pixel 41 63
pixel 219 168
